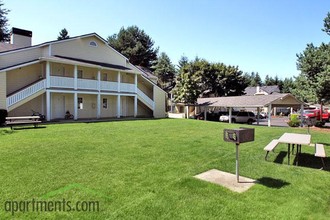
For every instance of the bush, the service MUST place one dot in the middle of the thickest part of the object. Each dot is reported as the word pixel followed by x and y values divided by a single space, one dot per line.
pixel 294 123
pixel 294 117
pixel 294 120
pixel 3 115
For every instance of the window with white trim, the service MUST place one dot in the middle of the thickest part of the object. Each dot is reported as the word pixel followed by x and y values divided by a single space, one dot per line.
pixel 92 44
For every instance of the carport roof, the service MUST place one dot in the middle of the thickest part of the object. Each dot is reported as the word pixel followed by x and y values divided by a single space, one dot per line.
pixel 276 100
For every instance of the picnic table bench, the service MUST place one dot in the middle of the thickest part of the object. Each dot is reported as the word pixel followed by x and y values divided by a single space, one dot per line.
pixel 22 120
pixel 298 139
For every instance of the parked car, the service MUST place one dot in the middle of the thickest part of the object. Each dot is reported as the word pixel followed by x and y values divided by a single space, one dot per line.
pixel 210 116
pixel 224 118
pixel 262 115
pixel 244 117
pixel 315 113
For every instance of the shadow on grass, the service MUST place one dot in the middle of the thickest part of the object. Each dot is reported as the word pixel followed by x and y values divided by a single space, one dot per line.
pixel 310 161
pixel 280 157
pixel 27 128
pixel 272 183
pixel 4 132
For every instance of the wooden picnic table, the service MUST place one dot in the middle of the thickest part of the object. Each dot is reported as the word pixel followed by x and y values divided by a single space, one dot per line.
pixel 22 120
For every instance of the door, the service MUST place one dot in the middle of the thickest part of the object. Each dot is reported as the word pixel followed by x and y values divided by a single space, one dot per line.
pixel 59 107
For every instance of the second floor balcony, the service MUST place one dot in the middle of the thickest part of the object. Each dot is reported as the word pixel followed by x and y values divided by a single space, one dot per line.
pixel 90 84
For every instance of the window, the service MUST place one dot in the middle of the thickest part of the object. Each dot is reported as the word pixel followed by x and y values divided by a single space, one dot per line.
pixel 104 77
pixel 105 103
pixel 80 103
pixel 80 74
pixel 93 44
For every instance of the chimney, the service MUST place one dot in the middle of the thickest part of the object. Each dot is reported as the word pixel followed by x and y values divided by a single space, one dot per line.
pixel 21 38
pixel 258 89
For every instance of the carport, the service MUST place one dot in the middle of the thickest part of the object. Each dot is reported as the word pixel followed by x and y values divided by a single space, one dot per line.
pixel 256 101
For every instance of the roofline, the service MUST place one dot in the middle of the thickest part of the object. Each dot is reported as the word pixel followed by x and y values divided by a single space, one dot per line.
pixel 80 63
pixel 60 41
pixel 20 65
pixel 64 61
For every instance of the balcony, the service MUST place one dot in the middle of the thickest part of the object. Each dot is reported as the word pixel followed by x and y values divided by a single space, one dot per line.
pixel 90 84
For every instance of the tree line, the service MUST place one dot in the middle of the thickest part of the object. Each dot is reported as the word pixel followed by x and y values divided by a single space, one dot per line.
pixel 195 78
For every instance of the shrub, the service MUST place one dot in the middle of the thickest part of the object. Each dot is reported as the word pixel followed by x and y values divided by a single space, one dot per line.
pixel 294 123
pixel 294 117
pixel 3 115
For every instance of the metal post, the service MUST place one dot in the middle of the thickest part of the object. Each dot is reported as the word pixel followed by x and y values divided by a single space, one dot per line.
pixel 258 115
pixel 237 162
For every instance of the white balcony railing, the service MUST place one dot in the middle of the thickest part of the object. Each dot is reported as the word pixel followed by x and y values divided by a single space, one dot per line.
pixel 61 82
pixel 109 86
pixel 25 93
pixel 127 87
pixel 68 83
pixel 87 84
pixel 145 99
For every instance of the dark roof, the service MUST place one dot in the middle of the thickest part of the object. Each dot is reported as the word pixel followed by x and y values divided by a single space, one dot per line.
pixel 6 47
pixel 18 64
pixel 109 65
pixel 268 89
pixel 147 72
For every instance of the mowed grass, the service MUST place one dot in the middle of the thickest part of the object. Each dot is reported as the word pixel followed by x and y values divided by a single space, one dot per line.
pixel 144 169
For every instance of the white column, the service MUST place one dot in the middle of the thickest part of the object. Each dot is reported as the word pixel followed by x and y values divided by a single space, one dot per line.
pixel 118 106
pixel 75 106
pixel 302 114
pixel 269 114
pixel 258 115
pixel 47 74
pixel 75 77
pixel 187 110
pixel 98 112
pixel 275 110
pixel 118 80
pixel 48 106
pixel 205 113
pixel 135 105
pixel 230 114
pixel 99 80
pixel 135 82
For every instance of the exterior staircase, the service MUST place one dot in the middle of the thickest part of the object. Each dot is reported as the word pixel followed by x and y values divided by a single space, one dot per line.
pixel 24 95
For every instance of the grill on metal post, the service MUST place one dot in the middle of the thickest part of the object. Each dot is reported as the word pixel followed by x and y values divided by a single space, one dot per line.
pixel 238 136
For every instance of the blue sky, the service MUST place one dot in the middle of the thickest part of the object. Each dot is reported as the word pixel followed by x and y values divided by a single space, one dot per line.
pixel 257 35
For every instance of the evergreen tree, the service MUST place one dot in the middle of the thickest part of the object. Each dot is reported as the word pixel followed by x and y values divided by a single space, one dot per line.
pixel 136 45
pixel 165 71
pixel 63 34
pixel 4 31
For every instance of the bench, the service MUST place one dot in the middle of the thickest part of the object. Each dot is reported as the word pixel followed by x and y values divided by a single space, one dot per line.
pixel 23 120
pixel 320 152
pixel 271 146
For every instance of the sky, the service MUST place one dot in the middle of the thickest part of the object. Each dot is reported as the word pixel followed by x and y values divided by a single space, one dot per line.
pixel 263 36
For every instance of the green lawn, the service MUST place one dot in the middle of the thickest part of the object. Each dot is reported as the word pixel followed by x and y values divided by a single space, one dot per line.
pixel 144 169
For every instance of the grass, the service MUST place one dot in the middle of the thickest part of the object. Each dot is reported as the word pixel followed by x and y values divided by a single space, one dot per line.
pixel 144 170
